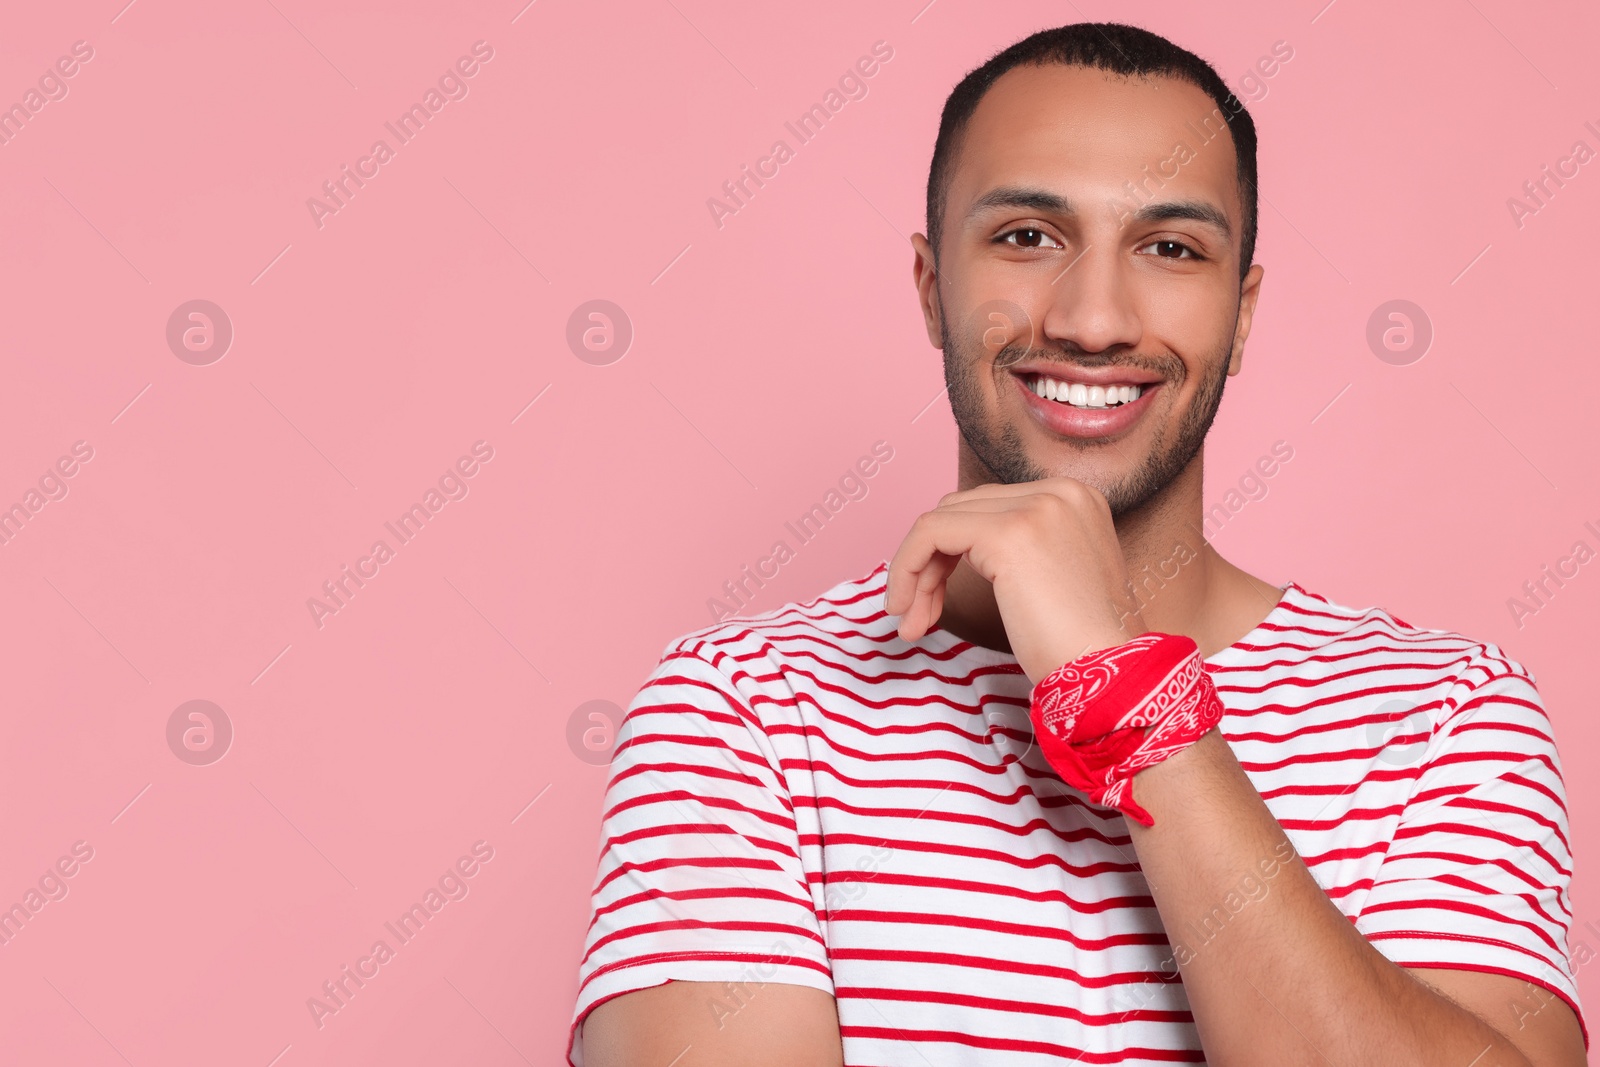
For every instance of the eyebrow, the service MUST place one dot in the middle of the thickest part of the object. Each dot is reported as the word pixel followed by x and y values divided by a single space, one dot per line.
pixel 1045 202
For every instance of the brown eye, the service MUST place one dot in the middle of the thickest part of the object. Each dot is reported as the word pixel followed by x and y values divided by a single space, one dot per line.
pixel 1175 248
pixel 1027 237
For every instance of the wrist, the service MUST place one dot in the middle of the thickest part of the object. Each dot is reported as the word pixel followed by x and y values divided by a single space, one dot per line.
pixel 1182 779
pixel 1109 637
pixel 1107 715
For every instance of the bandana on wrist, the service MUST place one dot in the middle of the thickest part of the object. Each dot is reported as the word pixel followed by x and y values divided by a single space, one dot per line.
pixel 1105 716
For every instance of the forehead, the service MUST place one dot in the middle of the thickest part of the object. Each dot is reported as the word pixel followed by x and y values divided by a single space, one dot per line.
pixel 1084 132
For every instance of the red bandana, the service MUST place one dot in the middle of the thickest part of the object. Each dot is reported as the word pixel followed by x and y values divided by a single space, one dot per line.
pixel 1107 715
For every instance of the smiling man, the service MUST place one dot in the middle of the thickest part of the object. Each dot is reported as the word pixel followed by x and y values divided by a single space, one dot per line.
pixel 995 802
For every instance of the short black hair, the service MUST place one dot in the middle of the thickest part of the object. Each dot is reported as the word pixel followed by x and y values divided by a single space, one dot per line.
pixel 1109 46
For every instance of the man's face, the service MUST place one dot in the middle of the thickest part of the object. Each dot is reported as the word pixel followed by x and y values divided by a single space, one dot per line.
pixel 1054 266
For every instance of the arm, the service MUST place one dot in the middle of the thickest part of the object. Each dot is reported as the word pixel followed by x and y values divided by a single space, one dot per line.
pixel 1289 969
pixel 704 933
pixel 1288 979
pixel 707 1024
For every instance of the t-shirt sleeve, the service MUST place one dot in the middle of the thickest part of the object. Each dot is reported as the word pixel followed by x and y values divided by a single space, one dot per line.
pixel 700 875
pixel 1477 875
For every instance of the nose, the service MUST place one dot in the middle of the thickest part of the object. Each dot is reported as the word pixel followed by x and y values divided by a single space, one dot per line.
pixel 1090 304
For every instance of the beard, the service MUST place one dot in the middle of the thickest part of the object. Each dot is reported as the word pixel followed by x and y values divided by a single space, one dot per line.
pixel 1000 447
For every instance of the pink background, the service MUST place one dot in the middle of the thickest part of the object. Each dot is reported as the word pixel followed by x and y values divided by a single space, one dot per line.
pixel 768 354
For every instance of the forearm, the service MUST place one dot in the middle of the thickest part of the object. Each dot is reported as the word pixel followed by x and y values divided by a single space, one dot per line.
pixel 1274 972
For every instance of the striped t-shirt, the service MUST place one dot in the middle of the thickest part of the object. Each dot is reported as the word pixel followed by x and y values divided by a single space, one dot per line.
pixel 802 797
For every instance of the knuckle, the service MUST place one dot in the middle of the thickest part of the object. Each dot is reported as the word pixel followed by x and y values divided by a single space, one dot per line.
pixel 1053 507
pixel 1080 496
pixel 1075 490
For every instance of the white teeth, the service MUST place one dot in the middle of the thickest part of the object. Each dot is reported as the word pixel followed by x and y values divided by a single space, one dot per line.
pixel 1085 396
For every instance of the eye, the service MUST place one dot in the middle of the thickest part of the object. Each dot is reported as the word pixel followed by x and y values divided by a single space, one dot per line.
pixel 1169 244
pixel 1030 238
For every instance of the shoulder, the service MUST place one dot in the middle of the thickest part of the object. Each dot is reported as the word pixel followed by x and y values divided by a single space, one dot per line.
pixel 749 667
pixel 1457 679
pixel 1310 622
pixel 723 705
pixel 845 621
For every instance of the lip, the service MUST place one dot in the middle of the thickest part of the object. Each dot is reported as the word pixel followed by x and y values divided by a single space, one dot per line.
pixel 1085 423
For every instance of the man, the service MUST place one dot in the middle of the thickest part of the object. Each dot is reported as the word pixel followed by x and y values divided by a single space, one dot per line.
pixel 849 831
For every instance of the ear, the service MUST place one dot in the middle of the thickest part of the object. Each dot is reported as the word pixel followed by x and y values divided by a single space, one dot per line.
pixel 925 276
pixel 1248 292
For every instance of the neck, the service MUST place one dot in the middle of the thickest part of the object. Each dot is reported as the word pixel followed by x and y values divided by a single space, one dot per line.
pixel 1181 584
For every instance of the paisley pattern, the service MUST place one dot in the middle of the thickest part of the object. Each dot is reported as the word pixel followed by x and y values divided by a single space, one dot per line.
pixel 1107 715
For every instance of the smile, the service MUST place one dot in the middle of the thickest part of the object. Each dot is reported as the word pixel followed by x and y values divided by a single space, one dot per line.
pixel 1082 411
pixel 1079 395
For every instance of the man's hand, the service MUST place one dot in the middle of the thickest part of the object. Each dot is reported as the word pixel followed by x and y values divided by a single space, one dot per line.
pixel 1051 552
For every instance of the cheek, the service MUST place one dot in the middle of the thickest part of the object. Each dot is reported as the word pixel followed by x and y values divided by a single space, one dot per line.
pixel 1197 320
pixel 1197 334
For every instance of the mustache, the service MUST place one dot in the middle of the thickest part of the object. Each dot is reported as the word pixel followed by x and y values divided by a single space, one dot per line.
pixel 1010 356
pixel 1006 335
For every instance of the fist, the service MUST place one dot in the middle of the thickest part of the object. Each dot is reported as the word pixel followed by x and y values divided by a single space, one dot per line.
pixel 1049 549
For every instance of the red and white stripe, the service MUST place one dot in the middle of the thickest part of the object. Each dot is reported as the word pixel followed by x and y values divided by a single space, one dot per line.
pixel 802 797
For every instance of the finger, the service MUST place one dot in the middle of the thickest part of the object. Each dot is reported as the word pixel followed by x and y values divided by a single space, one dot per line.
pixel 1084 499
pixel 989 505
pixel 921 542
pixel 1057 484
pixel 988 491
pixel 914 619
pixel 928 599
pixel 929 554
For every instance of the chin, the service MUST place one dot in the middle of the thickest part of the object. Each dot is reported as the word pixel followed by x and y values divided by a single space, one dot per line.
pixel 1108 477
